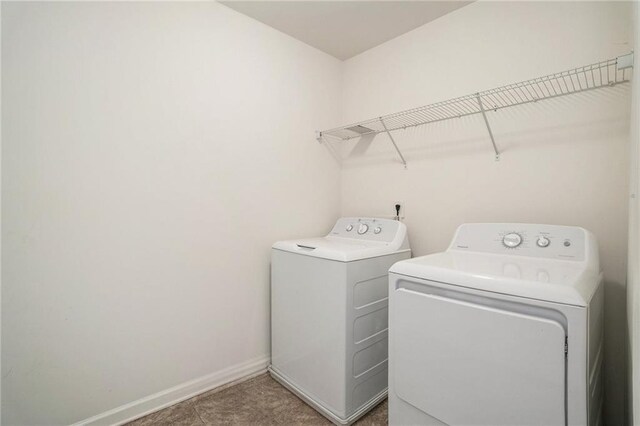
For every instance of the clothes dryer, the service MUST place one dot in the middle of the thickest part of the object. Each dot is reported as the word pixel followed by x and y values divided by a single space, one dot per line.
pixel 503 328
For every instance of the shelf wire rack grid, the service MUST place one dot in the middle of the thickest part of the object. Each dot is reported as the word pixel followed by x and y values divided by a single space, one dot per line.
pixel 589 77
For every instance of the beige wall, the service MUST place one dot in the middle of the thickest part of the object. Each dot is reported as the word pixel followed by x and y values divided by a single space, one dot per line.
pixel 152 153
pixel 633 267
pixel 564 161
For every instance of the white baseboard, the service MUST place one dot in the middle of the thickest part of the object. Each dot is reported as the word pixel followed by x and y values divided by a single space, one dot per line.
pixel 142 407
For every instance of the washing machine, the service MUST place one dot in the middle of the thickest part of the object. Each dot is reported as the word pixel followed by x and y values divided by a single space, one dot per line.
pixel 329 315
pixel 503 328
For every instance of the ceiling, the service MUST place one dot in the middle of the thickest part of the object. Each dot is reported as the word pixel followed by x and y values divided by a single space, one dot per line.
pixel 344 28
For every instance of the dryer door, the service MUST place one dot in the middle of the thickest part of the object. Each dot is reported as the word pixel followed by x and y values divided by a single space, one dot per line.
pixel 472 364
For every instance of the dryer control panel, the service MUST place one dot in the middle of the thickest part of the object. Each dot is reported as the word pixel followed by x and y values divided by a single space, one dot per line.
pixel 367 229
pixel 523 239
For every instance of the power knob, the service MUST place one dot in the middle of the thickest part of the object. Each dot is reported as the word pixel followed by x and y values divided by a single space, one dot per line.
pixel 543 242
pixel 363 228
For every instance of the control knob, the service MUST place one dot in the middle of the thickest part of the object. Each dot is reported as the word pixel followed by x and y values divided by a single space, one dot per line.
pixel 363 228
pixel 543 242
pixel 512 240
pixel 349 228
pixel 377 230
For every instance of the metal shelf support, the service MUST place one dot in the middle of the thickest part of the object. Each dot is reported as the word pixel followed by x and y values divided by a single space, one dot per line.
pixel 404 162
pixel 486 121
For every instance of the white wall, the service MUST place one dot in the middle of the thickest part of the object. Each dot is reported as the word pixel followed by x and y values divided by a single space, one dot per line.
pixel 633 267
pixel 563 162
pixel 152 153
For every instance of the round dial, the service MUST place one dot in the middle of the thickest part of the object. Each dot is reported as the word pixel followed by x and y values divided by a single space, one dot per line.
pixel 543 241
pixel 349 228
pixel 363 228
pixel 377 230
pixel 512 240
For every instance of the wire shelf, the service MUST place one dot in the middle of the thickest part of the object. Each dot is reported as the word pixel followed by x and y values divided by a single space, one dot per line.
pixel 589 77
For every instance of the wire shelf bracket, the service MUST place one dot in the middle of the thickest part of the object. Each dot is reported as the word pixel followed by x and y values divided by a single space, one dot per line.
pixel 486 121
pixel 589 77
pixel 393 142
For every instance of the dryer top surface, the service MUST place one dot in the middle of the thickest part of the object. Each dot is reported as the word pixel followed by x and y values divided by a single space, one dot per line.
pixel 562 268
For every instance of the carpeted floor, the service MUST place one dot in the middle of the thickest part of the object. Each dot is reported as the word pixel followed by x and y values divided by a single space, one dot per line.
pixel 258 401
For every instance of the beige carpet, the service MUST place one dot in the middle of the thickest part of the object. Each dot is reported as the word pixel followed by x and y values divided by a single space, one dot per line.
pixel 258 401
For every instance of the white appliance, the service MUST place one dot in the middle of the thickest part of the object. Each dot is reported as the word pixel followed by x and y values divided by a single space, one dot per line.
pixel 329 315
pixel 504 328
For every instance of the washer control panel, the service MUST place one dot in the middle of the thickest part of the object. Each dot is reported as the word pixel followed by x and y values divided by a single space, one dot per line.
pixel 548 241
pixel 366 228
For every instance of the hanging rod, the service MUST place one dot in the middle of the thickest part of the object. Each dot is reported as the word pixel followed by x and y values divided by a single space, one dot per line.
pixel 589 77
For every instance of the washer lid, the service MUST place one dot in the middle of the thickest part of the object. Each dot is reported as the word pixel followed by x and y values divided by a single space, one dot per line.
pixel 334 248
pixel 567 282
